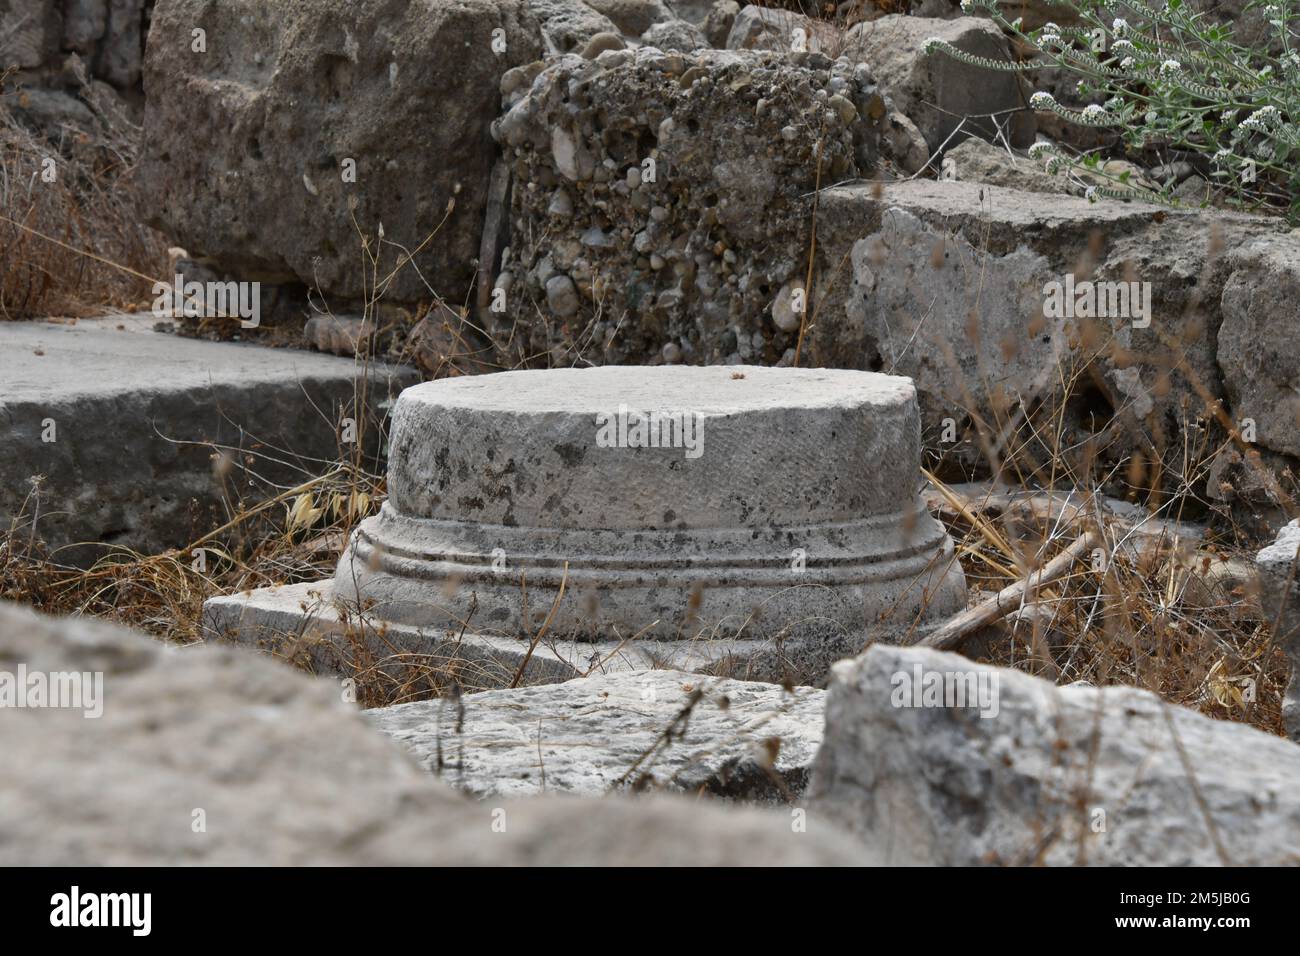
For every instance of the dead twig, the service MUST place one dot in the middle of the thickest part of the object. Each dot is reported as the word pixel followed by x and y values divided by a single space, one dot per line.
pixel 957 629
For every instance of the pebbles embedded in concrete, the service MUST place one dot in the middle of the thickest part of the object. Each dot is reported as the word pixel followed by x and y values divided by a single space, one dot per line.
pixel 667 502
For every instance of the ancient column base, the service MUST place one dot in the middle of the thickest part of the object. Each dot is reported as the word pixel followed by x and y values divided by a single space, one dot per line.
pixel 679 509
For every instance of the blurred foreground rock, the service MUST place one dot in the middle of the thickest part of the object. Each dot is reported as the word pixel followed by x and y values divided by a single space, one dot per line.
pixel 1025 772
pixel 222 757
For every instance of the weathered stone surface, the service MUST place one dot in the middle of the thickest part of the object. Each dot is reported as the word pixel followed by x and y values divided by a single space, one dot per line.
pixel 903 143
pixel 639 730
pixel 1256 342
pixel 767 28
pixel 633 17
pixel 122 420
pixel 675 35
pixel 1248 22
pixel 718 21
pixel 1279 578
pixel 536 483
pixel 36 36
pixel 307 625
pixel 122 54
pixel 975 161
pixel 280 771
pixel 1052 775
pixel 936 91
pixel 567 25
pixel 84 23
pixel 677 199
pixel 29 32
pixel 298 90
pixel 923 255
pixel 1035 13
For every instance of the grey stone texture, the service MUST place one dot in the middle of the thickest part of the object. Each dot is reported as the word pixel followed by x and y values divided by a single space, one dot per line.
pixel 718 21
pixel 309 626
pixel 675 35
pixel 1056 776
pixel 567 25
pixel 108 35
pixel 133 416
pixel 210 756
pixel 30 31
pixel 647 730
pixel 507 506
pixel 297 89
pixel 945 282
pixel 633 17
pixel 675 192
pixel 1256 341
pixel 977 161
pixel 936 91
pixel 1279 582
pixel 782 31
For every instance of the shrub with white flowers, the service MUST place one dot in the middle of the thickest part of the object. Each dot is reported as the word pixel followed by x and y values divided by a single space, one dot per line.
pixel 1176 83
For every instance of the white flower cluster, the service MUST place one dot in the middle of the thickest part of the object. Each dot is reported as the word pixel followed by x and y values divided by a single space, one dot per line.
pixel 1170 67
pixel 1042 100
pixel 1262 119
pixel 1122 46
pixel 1119 27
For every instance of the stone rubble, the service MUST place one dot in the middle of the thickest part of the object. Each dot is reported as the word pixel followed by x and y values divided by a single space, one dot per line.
pixel 665 235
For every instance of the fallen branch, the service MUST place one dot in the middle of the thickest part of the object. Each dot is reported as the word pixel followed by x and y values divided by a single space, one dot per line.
pixel 953 632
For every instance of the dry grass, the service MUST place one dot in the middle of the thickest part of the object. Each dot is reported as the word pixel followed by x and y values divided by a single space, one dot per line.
pixel 1153 607
pixel 92 204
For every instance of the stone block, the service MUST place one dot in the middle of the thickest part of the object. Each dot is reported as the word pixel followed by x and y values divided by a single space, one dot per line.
pixel 643 730
pixel 123 423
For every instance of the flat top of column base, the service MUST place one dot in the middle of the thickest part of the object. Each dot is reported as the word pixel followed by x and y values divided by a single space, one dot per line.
pixel 708 389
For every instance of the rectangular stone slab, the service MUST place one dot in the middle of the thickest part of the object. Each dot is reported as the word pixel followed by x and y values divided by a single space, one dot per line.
pixel 741 739
pixel 123 403
pixel 302 624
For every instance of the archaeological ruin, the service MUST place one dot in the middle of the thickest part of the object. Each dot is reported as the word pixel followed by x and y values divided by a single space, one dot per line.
pixel 534 433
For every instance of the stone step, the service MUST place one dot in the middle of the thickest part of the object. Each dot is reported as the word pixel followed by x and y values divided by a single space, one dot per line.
pixel 307 625
pixel 122 421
